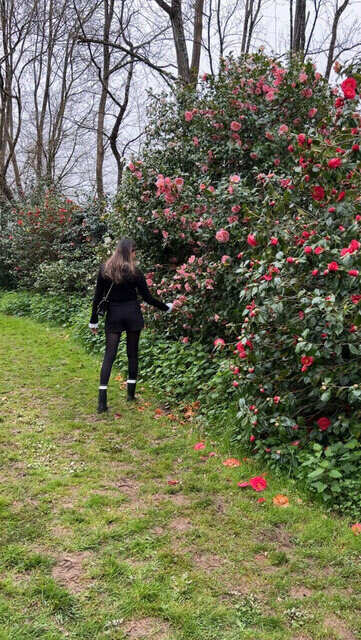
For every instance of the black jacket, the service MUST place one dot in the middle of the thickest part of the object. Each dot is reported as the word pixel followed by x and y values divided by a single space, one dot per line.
pixel 123 292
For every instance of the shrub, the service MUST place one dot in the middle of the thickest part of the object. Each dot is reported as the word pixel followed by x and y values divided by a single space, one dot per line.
pixel 247 198
pixel 52 246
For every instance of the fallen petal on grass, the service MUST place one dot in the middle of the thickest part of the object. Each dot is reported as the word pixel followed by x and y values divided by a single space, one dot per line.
pixel 280 500
pixel 231 462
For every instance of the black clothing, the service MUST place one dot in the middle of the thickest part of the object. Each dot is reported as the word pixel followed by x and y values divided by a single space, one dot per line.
pixel 124 316
pixel 124 292
pixel 111 348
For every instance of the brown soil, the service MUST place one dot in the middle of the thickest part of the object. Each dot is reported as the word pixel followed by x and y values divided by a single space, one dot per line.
pixel 147 628
pixel 181 524
pixel 300 591
pixel 333 623
pixel 208 561
pixel 69 570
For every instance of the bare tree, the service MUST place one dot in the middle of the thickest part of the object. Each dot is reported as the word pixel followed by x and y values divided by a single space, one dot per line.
pixel 331 51
pixel 299 27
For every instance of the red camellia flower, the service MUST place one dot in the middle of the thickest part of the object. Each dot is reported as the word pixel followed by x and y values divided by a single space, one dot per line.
pixel 251 239
pixel 349 88
pixel 306 362
pixel 323 423
pixel 334 163
pixel 252 438
pixel 318 193
pixel 258 483
pixel 301 138
pixel 355 147
pixel 219 342
pixel 332 266
pixel 307 249
pixel 353 272
pixel 235 126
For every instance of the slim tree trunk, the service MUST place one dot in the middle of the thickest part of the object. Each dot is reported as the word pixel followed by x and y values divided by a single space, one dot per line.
pixel 299 32
pixel 109 9
pixel 331 50
pixel 197 40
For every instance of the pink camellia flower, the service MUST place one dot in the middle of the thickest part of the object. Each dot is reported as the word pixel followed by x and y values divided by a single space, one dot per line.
pixel 307 249
pixel 323 423
pixel 303 77
pixel 219 342
pixel 179 182
pixel 334 163
pixel 131 166
pixel 235 126
pixel 314 272
pixel 185 340
pixel 273 240
pixel 236 208
pixel 198 446
pixel 290 259
pixel 332 266
pixel 353 272
pixel 235 383
pixel 356 528
pixel 188 115
pixel 235 179
pixel 222 235
pixel 191 259
pixel 349 88
pixel 318 250
pixel 355 147
pixel 226 260
pixel 283 129
pixel 260 500
pixel 252 438
pixel 251 240
pixel 312 112
pixel 165 234
pixel 195 141
pixel 276 399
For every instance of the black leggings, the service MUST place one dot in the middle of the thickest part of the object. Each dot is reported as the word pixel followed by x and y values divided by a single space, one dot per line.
pixel 111 348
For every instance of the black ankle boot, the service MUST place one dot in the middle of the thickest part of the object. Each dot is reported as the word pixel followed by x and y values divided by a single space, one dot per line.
pixel 131 391
pixel 102 401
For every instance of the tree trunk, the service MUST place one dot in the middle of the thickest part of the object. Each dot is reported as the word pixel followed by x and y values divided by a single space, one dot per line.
pixel 109 8
pixel 197 40
pixel 331 50
pixel 299 31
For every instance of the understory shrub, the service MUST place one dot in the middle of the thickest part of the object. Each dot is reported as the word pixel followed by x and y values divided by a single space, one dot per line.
pixel 247 197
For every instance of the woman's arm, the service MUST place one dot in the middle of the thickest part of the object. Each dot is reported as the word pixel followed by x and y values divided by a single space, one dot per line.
pixel 147 296
pixel 98 295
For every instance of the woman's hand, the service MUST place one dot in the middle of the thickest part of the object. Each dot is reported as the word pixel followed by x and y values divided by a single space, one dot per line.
pixel 95 331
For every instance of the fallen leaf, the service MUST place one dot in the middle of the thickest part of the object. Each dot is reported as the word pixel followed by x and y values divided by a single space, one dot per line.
pixel 159 412
pixel 280 500
pixel 231 462
pixel 119 378
pixel 141 408
pixel 172 482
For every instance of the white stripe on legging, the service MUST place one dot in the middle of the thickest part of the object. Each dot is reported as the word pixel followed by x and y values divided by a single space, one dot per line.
pixel 131 381
pixel 103 387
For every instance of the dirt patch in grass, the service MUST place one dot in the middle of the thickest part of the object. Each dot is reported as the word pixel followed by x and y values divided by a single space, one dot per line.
pixel 158 531
pixel 333 623
pixel 263 561
pixel 299 591
pixel 280 536
pixel 147 628
pixel 179 499
pixel 208 561
pixel 128 486
pixel 181 524
pixel 69 570
pixel 59 531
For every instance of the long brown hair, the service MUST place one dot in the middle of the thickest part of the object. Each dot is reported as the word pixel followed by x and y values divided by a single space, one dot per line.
pixel 121 264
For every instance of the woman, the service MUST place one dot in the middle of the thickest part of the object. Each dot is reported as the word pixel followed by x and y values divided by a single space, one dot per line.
pixel 120 278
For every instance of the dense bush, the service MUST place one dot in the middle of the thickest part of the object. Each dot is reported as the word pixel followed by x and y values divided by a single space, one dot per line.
pixel 247 198
pixel 51 246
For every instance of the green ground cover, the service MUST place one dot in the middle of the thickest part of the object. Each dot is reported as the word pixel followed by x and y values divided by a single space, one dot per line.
pixel 96 543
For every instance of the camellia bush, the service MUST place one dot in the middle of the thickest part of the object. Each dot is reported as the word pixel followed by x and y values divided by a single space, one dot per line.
pixel 246 201
pixel 51 246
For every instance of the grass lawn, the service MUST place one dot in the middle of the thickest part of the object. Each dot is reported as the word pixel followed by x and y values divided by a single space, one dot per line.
pixel 96 544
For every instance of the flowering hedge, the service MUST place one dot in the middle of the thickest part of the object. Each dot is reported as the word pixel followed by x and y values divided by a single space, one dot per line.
pixel 247 199
pixel 50 246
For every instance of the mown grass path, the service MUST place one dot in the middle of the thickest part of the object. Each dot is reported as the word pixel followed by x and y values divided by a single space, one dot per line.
pixel 96 544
